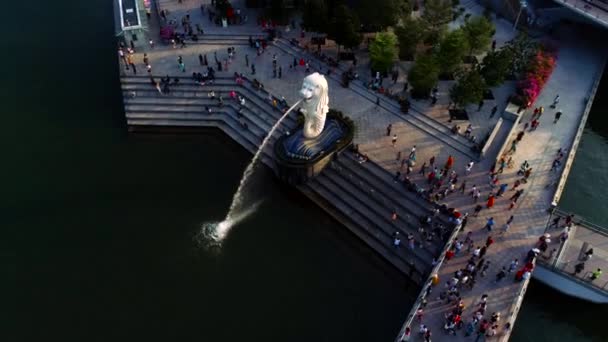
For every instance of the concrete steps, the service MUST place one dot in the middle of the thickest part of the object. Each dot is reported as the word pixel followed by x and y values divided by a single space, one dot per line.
pixel 187 89
pixel 409 209
pixel 364 222
pixel 378 213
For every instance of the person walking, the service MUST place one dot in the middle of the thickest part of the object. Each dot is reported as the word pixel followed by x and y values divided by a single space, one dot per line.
pixel 396 240
pixel 423 169
pixel 462 187
pixel 490 224
pixel 246 60
pixel 482 253
pixel 394 140
pixel 252 69
pixel 555 101
pixel 489 241
pixel 490 202
pixel 558 115
pixel 280 72
pixel 500 275
pixel 388 130
pixel 201 61
pixel 518 193
pixel 595 274
pixel 377 101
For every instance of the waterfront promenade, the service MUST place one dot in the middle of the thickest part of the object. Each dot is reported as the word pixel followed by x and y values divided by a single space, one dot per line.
pixel 578 65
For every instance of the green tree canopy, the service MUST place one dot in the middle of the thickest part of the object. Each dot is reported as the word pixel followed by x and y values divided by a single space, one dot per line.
pixel 437 14
pixel 423 75
pixel 469 88
pixel 409 34
pixel 383 50
pixel 496 66
pixel 522 49
pixel 344 27
pixel 452 49
pixel 377 15
pixel 478 32
pixel 314 16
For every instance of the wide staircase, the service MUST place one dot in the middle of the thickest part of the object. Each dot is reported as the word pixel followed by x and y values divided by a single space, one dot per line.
pixel 361 196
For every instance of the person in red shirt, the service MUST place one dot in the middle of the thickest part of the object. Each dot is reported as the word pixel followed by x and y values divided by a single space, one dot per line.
pixel 489 241
pixel 449 254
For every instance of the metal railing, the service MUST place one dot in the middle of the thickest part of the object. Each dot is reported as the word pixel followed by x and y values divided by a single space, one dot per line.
pixel 556 265
pixel 593 11
pixel 577 138
pixel 425 287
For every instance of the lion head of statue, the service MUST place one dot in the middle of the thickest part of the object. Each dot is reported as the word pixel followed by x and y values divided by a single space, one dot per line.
pixel 315 104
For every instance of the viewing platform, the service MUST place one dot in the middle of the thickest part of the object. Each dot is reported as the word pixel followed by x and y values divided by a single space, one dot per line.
pixel 362 193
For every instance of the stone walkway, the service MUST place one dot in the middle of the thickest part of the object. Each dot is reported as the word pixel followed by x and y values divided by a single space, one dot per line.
pixel 579 62
pixel 539 148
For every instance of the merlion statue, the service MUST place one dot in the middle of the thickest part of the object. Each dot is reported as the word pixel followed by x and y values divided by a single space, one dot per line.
pixel 315 104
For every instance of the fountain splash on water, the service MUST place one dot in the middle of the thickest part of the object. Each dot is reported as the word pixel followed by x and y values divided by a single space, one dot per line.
pixel 218 230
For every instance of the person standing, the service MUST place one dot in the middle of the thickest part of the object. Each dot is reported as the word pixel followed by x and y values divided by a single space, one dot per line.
pixel 280 72
pixel 200 59
pixel 493 111
pixel 394 140
pixel 388 130
pixel 252 69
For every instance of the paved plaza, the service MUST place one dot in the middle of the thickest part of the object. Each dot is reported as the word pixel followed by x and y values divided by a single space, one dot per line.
pixel 579 64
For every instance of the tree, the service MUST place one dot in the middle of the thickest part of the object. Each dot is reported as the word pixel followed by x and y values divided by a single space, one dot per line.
pixel 382 51
pixel 469 88
pixel 423 76
pixel 377 15
pixel 344 27
pixel 478 32
pixel 522 49
pixel 409 34
pixel 496 66
pixel 452 49
pixel 437 14
pixel 314 16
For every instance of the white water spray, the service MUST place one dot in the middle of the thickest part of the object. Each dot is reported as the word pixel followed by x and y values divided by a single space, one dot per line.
pixel 218 230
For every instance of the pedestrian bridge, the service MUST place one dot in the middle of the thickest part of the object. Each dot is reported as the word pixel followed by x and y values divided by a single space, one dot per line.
pixel 555 268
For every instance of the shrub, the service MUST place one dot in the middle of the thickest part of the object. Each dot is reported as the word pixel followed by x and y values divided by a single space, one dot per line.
pixel 538 70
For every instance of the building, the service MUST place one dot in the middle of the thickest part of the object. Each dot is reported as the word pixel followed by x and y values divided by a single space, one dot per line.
pixel 131 19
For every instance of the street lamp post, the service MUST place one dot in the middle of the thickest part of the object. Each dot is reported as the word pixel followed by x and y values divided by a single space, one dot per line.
pixel 522 4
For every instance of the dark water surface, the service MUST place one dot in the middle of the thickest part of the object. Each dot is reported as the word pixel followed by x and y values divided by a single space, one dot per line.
pixel 105 223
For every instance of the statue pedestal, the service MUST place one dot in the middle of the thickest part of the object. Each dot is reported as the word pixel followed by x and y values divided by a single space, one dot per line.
pixel 299 159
